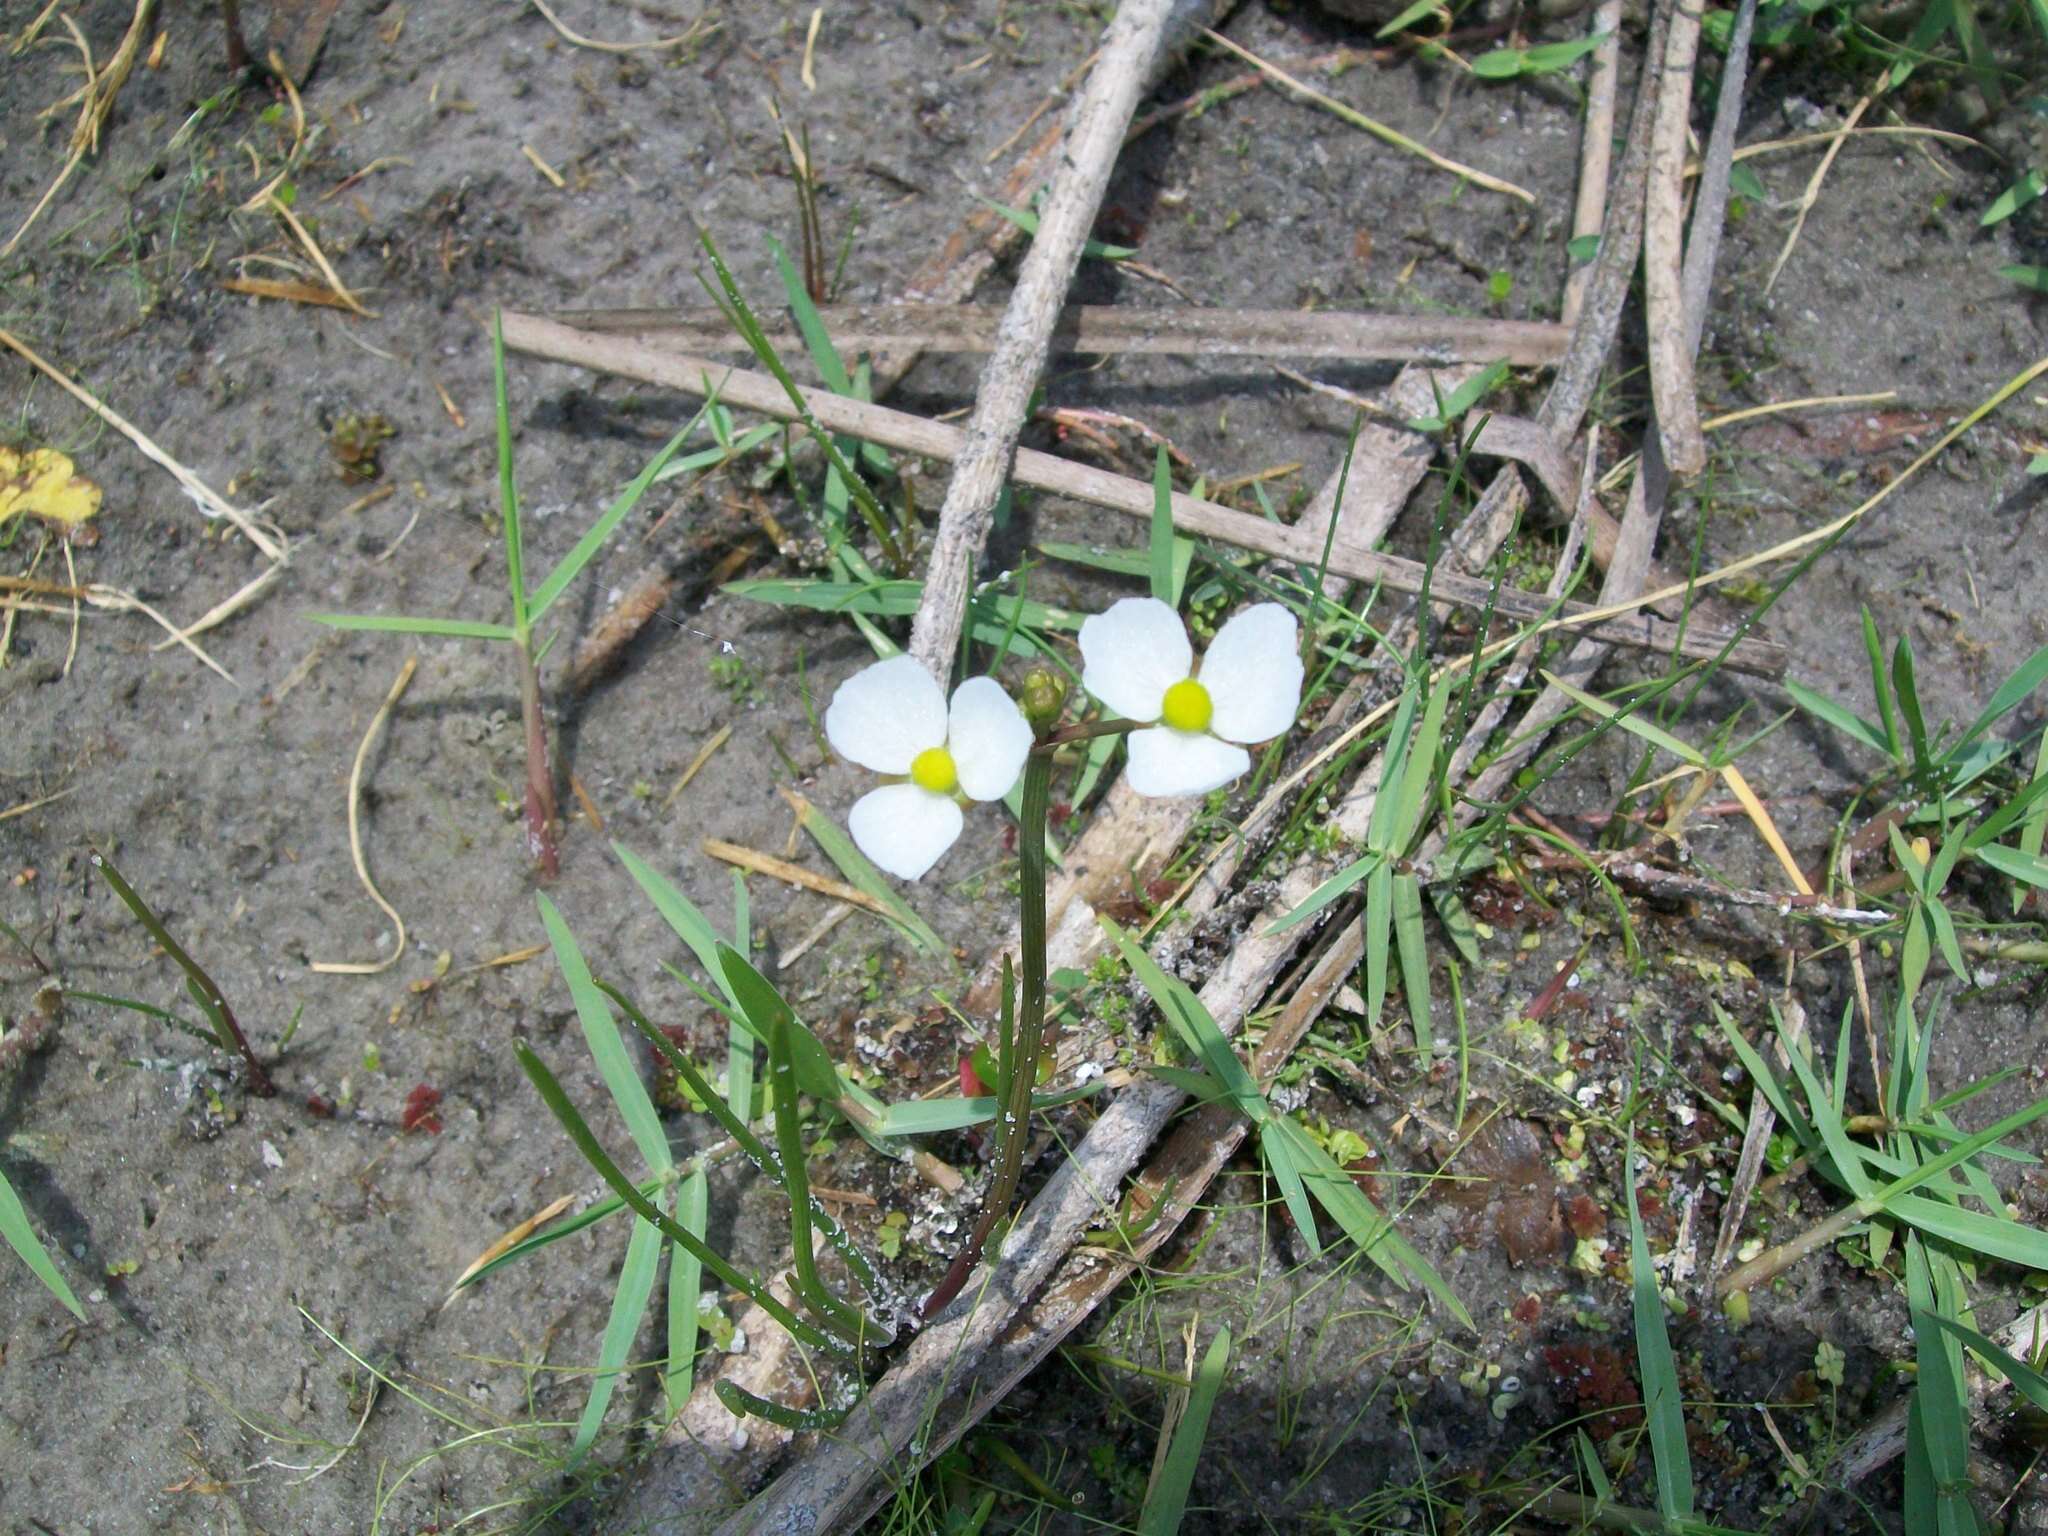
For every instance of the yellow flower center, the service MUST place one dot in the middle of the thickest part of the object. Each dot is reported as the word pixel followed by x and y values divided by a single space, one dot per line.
pixel 1187 706
pixel 933 769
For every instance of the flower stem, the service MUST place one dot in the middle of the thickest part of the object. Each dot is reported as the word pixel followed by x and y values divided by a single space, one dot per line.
pixel 1013 1117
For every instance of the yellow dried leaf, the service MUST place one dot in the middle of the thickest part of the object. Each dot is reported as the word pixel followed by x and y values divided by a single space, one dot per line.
pixel 43 483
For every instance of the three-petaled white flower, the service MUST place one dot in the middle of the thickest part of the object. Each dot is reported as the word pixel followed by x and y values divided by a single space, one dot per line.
pixel 892 717
pixel 1139 663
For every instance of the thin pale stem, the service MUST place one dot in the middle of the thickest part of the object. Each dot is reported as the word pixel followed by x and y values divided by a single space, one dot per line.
pixel 1774 1261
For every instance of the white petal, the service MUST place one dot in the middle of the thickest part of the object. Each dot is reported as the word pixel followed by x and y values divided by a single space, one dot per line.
pixel 904 829
pixel 1169 762
pixel 989 738
pixel 1133 653
pixel 1253 674
pixel 885 714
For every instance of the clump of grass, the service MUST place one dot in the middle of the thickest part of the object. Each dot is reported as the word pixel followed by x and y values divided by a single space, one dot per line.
pixel 223 1030
pixel 528 605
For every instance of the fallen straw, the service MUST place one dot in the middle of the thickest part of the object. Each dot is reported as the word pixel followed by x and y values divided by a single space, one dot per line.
pixel 355 837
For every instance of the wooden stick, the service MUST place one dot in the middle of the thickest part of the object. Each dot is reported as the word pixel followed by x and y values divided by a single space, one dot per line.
pixel 1671 373
pixel 1596 147
pixel 1176 330
pixel 1003 401
pixel 630 358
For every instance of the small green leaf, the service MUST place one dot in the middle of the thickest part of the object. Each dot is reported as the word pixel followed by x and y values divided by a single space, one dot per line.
pixel 1501 64
pixel 766 1010
pixel 1744 182
pixel 1414 13
pixel 2013 199
pixel 21 1237
pixel 1581 251
pixel 1463 398
pixel 2027 276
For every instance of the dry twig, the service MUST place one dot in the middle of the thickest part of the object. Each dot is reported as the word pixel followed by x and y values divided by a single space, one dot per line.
pixel 1102 113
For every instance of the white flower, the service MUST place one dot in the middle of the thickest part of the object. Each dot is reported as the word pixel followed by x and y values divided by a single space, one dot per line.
pixel 1139 663
pixel 891 717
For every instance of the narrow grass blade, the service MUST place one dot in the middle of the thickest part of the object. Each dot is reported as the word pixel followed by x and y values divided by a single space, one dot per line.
pixel 1834 1135
pixel 854 865
pixel 1460 400
pixel 685 1292
pixel 1881 690
pixel 1330 890
pixel 931 1117
pixel 1280 1149
pixel 601 1033
pixel 1193 1023
pixel 810 324
pixel 1379 927
pixel 2026 677
pixel 571 565
pixel 1992 1236
pixel 1589 1465
pixel 2027 867
pixel 725 452
pixel 569 1226
pixel 1907 691
pixel 1162 529
pixel 679 912
pixel 796 1185
pixel 579 1132
pixel 1370 1230
pixel 394 624
pixel 1663 1405
pixel 21 1237
pixel 2025 1379
pixel 767 1011
pixel 739 1044
pixel 1418 771
pixel 1414 951
pixel 1829 712
pixel 1457 922
pixel 1629 722
pixel 508 490
pixel 1166 1500
pixel 1939 1393
pixel 629 1310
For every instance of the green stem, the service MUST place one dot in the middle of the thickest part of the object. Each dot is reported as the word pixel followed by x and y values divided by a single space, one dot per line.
pixel 789 1141
pixel 540 774
pixel 1013 1124
pixel 227 1034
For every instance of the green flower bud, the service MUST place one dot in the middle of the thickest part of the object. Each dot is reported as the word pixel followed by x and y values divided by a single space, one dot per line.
pixel 1043 698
